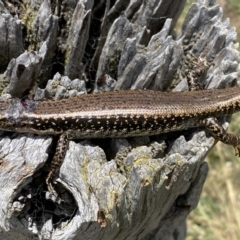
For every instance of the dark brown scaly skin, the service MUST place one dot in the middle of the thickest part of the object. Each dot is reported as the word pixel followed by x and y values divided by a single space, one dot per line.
pixel 119 113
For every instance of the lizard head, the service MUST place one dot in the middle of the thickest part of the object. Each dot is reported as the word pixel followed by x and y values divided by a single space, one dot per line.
pixel 12 111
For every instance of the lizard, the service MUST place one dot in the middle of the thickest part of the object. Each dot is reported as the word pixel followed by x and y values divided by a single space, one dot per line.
pixel 127 113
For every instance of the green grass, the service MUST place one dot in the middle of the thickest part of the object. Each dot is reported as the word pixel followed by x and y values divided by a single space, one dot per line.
pixel 218 213
pixel 234 5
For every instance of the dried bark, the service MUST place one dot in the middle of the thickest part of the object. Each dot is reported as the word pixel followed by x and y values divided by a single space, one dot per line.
pixel 137 188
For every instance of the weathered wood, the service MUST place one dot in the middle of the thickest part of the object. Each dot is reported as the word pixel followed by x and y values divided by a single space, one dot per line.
pixel 139 188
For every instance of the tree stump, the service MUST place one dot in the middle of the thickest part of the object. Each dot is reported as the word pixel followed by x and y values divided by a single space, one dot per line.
pixel 135 188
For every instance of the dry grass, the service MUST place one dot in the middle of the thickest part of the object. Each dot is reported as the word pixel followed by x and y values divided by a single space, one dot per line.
pixel 218 213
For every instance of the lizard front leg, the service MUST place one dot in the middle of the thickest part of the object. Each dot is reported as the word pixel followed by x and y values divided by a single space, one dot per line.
pixel 221 134
pixel 62 146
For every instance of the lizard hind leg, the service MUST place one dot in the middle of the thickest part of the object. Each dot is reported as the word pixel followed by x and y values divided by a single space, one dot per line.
pixel 219 133
pixel 61 149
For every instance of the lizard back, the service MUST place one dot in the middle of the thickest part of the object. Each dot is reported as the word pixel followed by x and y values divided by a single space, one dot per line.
pixel 120 113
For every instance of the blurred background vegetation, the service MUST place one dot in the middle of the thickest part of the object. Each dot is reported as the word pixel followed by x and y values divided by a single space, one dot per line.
pixel 218 213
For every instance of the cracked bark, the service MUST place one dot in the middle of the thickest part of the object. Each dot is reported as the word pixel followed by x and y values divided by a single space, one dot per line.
pixel 136 188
